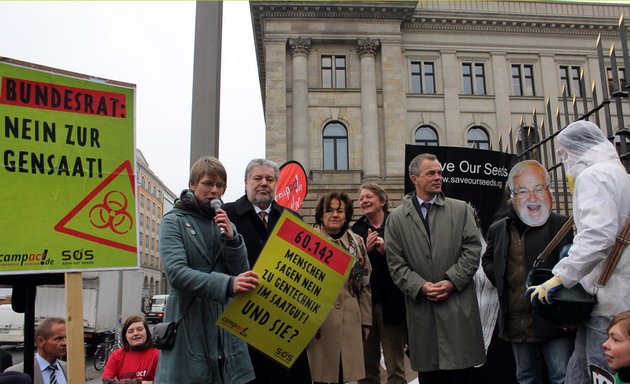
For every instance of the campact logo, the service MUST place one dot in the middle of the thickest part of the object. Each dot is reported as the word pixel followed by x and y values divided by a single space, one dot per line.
pixel 77 254
pixel 26 258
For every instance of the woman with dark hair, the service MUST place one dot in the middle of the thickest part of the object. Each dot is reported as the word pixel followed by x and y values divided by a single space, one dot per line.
pixel 336 353
pixel 137 359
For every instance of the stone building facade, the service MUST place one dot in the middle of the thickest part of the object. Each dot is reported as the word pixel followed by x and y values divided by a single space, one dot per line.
pixel 154 198
pixel 346 85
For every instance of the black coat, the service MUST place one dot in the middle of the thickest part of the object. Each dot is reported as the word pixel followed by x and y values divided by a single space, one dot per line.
pixel 243 215
pixel 383 288
pixel 535 240
pixel 248 223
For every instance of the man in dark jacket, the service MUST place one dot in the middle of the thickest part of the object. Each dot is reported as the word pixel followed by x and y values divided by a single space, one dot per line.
pixel 514 242
pixel 255 214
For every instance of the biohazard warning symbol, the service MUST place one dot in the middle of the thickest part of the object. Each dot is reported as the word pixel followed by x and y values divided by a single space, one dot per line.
pixel 104 215
pixel 112 213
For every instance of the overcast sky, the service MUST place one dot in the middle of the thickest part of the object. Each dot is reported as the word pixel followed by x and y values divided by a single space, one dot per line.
pixel 150 44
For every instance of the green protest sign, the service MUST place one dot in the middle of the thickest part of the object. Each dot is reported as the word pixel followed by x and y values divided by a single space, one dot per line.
pixel 67 175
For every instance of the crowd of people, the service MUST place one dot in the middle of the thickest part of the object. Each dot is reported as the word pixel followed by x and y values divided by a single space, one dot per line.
pixel 415 287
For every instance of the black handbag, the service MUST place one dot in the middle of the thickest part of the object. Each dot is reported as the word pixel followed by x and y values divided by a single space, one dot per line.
pixel 164 335
pixel 572 306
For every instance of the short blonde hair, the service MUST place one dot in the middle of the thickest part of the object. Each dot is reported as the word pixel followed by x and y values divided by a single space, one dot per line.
pixel 207 165
pixel 378 191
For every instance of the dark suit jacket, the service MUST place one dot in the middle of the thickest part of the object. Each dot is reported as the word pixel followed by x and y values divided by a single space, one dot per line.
pixel 243 215
pixel 383 288
pixel 248 223
pixel 535 240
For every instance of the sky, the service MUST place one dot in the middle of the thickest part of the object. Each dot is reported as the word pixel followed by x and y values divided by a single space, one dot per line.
pixel 150 44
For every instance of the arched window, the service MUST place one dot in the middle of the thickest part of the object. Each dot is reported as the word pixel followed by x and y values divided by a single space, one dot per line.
pixel 427 136
pixel 335 145
pixel 478 138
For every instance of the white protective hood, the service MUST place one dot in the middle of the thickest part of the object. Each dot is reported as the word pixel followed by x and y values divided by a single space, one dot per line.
pixel 585 145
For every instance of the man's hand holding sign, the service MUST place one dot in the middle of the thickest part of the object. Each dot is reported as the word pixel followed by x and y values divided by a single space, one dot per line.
pixel 301 274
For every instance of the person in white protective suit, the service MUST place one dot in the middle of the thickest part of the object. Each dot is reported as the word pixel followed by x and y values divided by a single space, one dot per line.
pixel 601 205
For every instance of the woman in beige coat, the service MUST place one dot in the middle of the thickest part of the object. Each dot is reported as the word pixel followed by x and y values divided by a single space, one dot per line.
pixel 336 353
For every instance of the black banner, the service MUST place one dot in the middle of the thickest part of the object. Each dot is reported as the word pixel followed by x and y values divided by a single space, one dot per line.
pixel 477 176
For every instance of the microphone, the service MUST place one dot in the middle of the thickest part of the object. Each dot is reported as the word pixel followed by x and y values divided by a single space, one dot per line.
pixel 217 204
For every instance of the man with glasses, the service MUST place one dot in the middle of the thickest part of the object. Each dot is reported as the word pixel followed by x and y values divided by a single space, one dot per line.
pixel 255 214
pixel 514 242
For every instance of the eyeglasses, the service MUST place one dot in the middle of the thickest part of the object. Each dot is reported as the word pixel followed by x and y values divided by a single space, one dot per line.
pixel 524 193
pixel 210 185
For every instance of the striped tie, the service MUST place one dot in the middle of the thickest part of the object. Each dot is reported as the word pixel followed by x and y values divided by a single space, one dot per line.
pixel 262 215
pixel 53 371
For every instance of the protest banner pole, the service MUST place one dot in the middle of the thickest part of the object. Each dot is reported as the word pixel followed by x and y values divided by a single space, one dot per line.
pixel 74 327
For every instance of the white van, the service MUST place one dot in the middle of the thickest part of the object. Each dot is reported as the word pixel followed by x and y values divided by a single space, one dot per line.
pixel 11 325
pixel 158 307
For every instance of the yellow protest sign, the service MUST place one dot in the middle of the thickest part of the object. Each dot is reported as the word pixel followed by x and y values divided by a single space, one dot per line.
pixel 67 174
pixel 301 274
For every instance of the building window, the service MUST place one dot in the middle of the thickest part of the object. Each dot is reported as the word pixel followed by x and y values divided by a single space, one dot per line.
pixel 527 138
pixel 478 138
pixel 427 136
pixel 333 71
pixel 621 80
pixel 422 77
pixel 523 80
pixel 335 144
pixel 570 78
pixel 473 75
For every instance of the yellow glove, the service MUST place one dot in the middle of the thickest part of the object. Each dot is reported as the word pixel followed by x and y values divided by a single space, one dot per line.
pixel 544 291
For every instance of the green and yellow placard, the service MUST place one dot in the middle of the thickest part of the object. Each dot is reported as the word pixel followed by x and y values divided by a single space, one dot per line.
pixel 67 174
pixel 301 274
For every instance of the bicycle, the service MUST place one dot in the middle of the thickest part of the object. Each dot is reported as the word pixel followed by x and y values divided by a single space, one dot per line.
pixel 104 349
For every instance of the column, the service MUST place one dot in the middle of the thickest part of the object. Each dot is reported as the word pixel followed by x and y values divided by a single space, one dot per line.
pixel 299 49
pixel 369 109
pixel 204 133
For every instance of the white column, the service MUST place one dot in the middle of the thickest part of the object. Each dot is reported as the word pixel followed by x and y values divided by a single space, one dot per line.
pixel 299 49
pixel 369 109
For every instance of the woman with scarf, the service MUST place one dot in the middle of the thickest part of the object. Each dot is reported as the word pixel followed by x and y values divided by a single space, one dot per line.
pixel 336 353
pixel 205 262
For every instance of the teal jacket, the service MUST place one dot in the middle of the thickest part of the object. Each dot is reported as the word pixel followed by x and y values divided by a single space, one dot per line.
pixel 200 266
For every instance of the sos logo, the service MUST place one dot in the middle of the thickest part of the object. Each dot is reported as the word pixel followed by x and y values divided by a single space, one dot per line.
pixel 284 355
pixel 77 254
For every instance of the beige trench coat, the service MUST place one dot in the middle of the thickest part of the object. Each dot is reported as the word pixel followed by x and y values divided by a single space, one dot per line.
pixel 341 336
